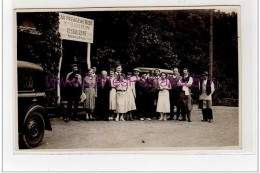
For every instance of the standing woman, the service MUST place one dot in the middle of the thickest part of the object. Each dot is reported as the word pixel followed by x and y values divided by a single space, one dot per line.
pixel 90 90
pixel 163 103
pixel 121 97
pixel 131 95
pixel 112 94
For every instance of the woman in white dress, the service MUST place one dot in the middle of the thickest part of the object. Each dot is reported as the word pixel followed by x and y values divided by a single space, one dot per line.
pixel 112 94
pixel 121 97
pixel 130 95
pixel 163 103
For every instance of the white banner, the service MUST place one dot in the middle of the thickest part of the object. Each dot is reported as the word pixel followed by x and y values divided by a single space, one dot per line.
pixel 76 28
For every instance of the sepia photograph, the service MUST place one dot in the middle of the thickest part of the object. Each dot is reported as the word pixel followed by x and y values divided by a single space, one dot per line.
pixel 128 79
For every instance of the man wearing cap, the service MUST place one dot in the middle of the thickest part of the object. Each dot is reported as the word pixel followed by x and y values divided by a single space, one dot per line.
pixel 207 89
pixel 73 82
pixel 185 95
pixel 136 73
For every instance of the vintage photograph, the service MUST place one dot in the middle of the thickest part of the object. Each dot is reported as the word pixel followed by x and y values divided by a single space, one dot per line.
pixel 128 78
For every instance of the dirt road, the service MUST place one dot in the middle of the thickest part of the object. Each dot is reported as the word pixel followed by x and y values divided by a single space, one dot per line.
pixel 224 131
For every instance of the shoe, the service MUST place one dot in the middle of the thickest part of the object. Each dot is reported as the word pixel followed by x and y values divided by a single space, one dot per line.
pixel 149 119
pixel 66 120
pixel 183 119
pixel 189 120
pixel 203 120
pixel 210 120
pixel 87 117
pixel 142 119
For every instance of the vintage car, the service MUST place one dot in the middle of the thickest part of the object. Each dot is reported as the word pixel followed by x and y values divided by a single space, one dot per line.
pixel 32 116
pixel 151 70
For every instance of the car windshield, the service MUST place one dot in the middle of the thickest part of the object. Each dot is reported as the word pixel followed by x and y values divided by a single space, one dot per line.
pixel 25 79
pixel 30 80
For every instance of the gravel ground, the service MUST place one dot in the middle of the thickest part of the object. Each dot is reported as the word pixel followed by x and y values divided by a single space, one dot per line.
pixel 224 131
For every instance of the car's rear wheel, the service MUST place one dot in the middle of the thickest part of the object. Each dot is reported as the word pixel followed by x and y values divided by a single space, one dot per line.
pixel 33 130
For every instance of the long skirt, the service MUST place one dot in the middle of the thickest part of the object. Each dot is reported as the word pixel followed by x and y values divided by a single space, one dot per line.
pixel 163 104
pixel 112 99
pixel 130 101
pixel 121 102
pixel 89 103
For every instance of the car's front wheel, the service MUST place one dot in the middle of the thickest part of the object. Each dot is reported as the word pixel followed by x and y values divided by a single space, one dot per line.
pixel 33 130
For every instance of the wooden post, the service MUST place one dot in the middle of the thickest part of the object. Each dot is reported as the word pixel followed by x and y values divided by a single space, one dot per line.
pixel 59 82
pixel 211 45
pixel 88 57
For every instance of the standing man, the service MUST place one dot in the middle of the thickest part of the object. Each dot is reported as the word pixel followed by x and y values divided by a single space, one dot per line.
pixel 136 78
pixel 175 94
pixel 103 90
pixel 73 82
pixel 155 90
pixel 207 89
pixel 94 71
pixel 145 98
pixel 185 95
pixel 136 73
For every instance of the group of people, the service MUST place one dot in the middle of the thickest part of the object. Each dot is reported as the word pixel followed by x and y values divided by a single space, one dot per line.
pixel 137 95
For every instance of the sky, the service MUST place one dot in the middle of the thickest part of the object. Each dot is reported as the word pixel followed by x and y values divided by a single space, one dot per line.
pixel 228 9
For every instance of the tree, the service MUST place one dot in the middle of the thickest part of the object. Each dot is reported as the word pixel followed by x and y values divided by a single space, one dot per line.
pixel 163 39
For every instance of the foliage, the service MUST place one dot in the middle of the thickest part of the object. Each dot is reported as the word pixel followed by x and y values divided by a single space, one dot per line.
pixel 163 39
pixel 43 48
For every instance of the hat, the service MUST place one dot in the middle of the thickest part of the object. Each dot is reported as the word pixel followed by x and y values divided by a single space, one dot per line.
pixel 157 70
pixel 136 69
pixel 205 73
pixel 141 73
pixel 119 66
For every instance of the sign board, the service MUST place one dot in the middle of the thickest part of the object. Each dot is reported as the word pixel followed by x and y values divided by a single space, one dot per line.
pixel 76 28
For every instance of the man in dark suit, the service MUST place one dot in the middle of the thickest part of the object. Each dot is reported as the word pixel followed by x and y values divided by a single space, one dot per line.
pixel 175 94
pixel 73 84
pixel 145 98
pixel 155 90
pixel 103 90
